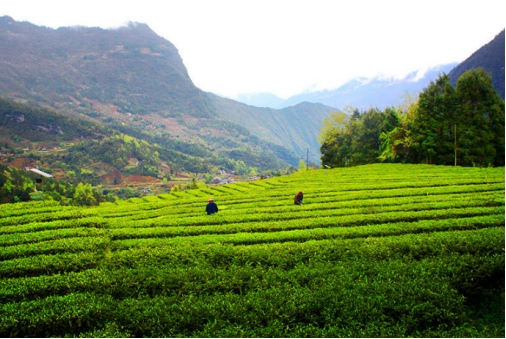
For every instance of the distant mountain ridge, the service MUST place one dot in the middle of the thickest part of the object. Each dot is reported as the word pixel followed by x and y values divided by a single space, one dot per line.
pixel 362 93
pixel 263 99
pixel 490 57
pixel 381 92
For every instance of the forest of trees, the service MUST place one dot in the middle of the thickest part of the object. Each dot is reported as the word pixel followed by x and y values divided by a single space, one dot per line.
pixel 461 126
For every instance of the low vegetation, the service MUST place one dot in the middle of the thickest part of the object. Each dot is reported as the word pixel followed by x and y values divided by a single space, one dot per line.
pixel 384 250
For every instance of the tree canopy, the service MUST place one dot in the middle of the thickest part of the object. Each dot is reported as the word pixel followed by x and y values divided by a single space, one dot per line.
pixel 446 126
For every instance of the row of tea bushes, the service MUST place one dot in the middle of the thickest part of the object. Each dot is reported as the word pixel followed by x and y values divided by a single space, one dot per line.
pixel 385 250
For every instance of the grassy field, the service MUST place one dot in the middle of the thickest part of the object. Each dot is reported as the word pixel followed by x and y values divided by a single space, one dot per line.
pixel 374 251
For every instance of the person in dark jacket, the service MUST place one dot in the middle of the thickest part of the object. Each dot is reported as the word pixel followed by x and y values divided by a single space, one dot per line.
pixel 298 198
pixel 211 207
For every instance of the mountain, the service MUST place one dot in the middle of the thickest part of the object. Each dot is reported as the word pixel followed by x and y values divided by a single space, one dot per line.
pixel 134 82
pixel 363 93
pixel 295 127
pixel 490 57
pixel 130 67
pixel 260 99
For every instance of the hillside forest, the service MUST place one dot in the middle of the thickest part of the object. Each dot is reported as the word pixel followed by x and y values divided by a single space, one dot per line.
pixel 462 126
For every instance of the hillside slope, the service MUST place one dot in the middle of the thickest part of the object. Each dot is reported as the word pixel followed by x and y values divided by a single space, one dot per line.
pixel 128 76
pixel 80 150
pixel 489 57
pixel 294 127
pixel 130 67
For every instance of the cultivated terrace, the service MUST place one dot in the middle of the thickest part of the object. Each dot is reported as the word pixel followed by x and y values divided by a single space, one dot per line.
pixel 386 250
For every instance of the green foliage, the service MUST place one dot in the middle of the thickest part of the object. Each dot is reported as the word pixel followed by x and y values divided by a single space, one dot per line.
pixel 193 184
pixel 481 120
pixel 396 143
pixel 84 195
pixel 385 250
pixel 16 186
pixel 355 139
pixel 302 165
pixel 463 126
pixel 434 123
pixel 447 126
pixel 334 140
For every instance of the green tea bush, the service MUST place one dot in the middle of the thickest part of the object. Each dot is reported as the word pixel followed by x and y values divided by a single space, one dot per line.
pixel 386 250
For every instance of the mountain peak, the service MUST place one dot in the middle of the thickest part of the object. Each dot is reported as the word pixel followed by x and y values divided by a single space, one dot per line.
pixel 138 28
pixel 6 20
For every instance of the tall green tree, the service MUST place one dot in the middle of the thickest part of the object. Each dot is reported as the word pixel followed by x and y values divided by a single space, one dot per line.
pixel 447 126
pixel 366 144
pixel 480 132
pixel 434 123
pixel 395 136
pixel 334 141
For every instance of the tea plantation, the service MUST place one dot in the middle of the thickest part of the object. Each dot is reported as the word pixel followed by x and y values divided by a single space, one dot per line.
pixel 384 250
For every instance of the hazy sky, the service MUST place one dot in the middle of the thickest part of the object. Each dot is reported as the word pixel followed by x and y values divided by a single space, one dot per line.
pixel 289 46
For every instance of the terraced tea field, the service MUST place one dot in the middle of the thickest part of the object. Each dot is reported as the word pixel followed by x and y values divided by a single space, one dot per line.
pixel 374 251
